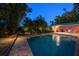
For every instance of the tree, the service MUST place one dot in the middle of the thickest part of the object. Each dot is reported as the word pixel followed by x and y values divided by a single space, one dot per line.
pixel 76 7
pixel 76 10
pixel 11 14
pixel 67 17
pixel 52 22
pixel 40 24
pixel 28 23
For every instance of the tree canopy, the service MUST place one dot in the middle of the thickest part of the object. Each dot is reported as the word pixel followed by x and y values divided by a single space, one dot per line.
pixel 37 25
pixel 11 14
pixel 68 16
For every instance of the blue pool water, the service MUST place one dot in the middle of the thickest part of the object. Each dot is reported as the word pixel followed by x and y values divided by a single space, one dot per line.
pixel 45 46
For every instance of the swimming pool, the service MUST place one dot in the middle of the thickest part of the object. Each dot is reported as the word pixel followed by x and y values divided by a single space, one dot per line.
pixel 46 46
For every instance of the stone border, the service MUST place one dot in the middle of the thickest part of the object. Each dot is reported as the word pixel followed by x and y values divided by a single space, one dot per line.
pixel 36 35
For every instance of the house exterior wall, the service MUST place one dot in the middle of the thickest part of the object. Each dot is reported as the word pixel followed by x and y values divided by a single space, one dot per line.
pixel 69 28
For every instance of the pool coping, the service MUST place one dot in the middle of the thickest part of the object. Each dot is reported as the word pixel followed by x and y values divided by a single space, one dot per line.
pixel 36 35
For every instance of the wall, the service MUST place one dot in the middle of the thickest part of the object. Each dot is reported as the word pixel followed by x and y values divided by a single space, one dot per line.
pixel 69 28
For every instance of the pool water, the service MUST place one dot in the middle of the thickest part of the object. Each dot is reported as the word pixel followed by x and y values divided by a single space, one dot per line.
pixel 46 46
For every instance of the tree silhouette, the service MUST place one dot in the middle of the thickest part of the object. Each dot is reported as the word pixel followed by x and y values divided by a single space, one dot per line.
pixel 11 14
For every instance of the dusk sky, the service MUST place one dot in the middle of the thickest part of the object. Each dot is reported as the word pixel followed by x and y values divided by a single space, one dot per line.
pixel 48 10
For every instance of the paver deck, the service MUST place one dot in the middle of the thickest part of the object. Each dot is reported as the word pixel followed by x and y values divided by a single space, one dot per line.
pixel 21 48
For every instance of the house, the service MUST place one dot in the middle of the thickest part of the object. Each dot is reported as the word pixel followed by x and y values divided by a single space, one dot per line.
pixel 73 28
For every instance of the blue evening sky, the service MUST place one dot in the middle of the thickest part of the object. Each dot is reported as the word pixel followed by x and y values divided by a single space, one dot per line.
pixel 48 10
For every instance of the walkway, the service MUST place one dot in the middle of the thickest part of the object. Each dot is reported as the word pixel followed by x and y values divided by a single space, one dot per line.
pixel 21 48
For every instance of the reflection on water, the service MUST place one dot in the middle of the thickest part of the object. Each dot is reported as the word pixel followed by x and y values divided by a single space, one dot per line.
pixel 57 39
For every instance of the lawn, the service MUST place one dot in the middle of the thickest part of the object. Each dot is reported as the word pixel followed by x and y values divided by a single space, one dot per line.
pixel 5 45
